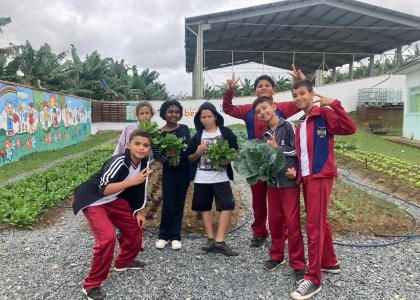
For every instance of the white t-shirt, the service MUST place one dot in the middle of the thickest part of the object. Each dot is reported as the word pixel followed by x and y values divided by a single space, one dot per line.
pixel 206 173
pixel 304 158
pixel 133 171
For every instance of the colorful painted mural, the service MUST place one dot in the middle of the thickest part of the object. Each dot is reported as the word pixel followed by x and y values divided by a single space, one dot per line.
pixel 34 120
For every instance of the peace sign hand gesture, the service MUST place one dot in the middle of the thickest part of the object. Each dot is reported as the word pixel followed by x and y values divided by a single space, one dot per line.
pixel 297 74
pixel 230 84
pixel 141 176
pixel 323 101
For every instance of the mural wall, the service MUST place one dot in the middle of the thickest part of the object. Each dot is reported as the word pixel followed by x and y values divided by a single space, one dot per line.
pixel 34 120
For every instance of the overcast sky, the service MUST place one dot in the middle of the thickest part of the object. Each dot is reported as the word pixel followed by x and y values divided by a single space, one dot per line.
pixel 149 34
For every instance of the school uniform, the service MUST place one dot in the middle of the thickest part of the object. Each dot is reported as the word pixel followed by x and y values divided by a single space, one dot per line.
pixel 284 200
pixel 315 150
pixel 255 128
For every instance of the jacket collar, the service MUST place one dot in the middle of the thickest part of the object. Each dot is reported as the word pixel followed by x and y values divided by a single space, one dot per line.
pixel 268 129
pixel 127 158
pixel 315 111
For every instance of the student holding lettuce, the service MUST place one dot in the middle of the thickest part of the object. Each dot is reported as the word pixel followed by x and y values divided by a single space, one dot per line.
pixel 210 180
pixel 264 87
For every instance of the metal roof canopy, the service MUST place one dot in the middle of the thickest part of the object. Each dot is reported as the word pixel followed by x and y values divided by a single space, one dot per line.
pixel 352 29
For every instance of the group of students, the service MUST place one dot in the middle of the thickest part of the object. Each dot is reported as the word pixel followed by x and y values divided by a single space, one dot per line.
pixel 115 195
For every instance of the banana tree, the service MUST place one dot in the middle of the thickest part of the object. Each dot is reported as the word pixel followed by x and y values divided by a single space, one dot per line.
pixel 8 51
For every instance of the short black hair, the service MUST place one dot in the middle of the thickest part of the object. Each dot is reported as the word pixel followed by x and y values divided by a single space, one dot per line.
pixel 139 132
pixel 263 77
pixel 302 83
pixel 165 105
pixel 260 100
pixel 144 103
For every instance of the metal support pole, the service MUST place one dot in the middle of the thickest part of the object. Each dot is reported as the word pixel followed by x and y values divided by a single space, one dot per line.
pixel 263 63
pixel 371 65
pixel 198 89
pixel 232 62
pixel 204 74
pixel 334 75
pixel 351 69
pixel 399 54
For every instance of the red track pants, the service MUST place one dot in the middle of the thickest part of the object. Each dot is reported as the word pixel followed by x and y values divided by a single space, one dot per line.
pixel 316 192
pixel 259 206
pixel 101 219
pixel 284 211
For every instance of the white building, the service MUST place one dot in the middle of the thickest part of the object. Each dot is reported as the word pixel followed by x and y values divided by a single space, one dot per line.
pixel 411 126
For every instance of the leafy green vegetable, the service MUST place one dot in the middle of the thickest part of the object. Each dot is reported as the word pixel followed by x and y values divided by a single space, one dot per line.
pixel 153 129
pixel 171 141
pixel 23 200
pixel 258 161
pixel 219 152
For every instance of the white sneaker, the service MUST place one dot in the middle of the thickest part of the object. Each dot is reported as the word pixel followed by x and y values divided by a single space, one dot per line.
pixel 176 245
pixel 161 244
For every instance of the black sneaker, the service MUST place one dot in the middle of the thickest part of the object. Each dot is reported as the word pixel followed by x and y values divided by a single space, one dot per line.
pixel 335 269
pixel 299 275
pixel 94 294
pixel 257 241
pixel 136 265
pixel 208 247
pixel 305 290
pixel 223 248
pixel 272 264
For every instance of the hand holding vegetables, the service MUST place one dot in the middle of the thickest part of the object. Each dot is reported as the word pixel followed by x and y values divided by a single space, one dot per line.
pixel 220 154
pixel 201 149
pixel 174 145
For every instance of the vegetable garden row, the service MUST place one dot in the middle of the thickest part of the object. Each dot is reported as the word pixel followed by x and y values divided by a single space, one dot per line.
pixel 381 163
pixel 22 201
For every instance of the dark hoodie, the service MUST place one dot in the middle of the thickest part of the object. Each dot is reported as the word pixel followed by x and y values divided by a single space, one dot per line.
pixel 227 134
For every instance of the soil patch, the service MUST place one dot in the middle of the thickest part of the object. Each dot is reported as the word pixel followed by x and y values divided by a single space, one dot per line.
pixel 191 223
pixel 352 211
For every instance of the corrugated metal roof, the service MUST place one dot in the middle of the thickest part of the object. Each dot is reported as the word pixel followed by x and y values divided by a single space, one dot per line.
pixel 338 28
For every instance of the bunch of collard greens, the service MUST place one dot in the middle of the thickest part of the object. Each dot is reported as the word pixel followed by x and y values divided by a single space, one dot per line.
pixel 153 129
pixel 258 161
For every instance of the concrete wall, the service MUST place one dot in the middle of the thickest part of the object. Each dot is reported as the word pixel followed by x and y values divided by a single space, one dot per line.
pixel 411 125
pixel 346 92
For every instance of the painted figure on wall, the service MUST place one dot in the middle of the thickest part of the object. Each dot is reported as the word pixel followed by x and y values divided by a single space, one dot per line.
pixel 11 117
pixel 34 120
pixel 55 118
pixel 67 112
pixel 46 115
pixel 31 118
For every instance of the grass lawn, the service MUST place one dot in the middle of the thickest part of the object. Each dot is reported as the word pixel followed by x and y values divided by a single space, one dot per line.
pixel 376 143
pixel 36 160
